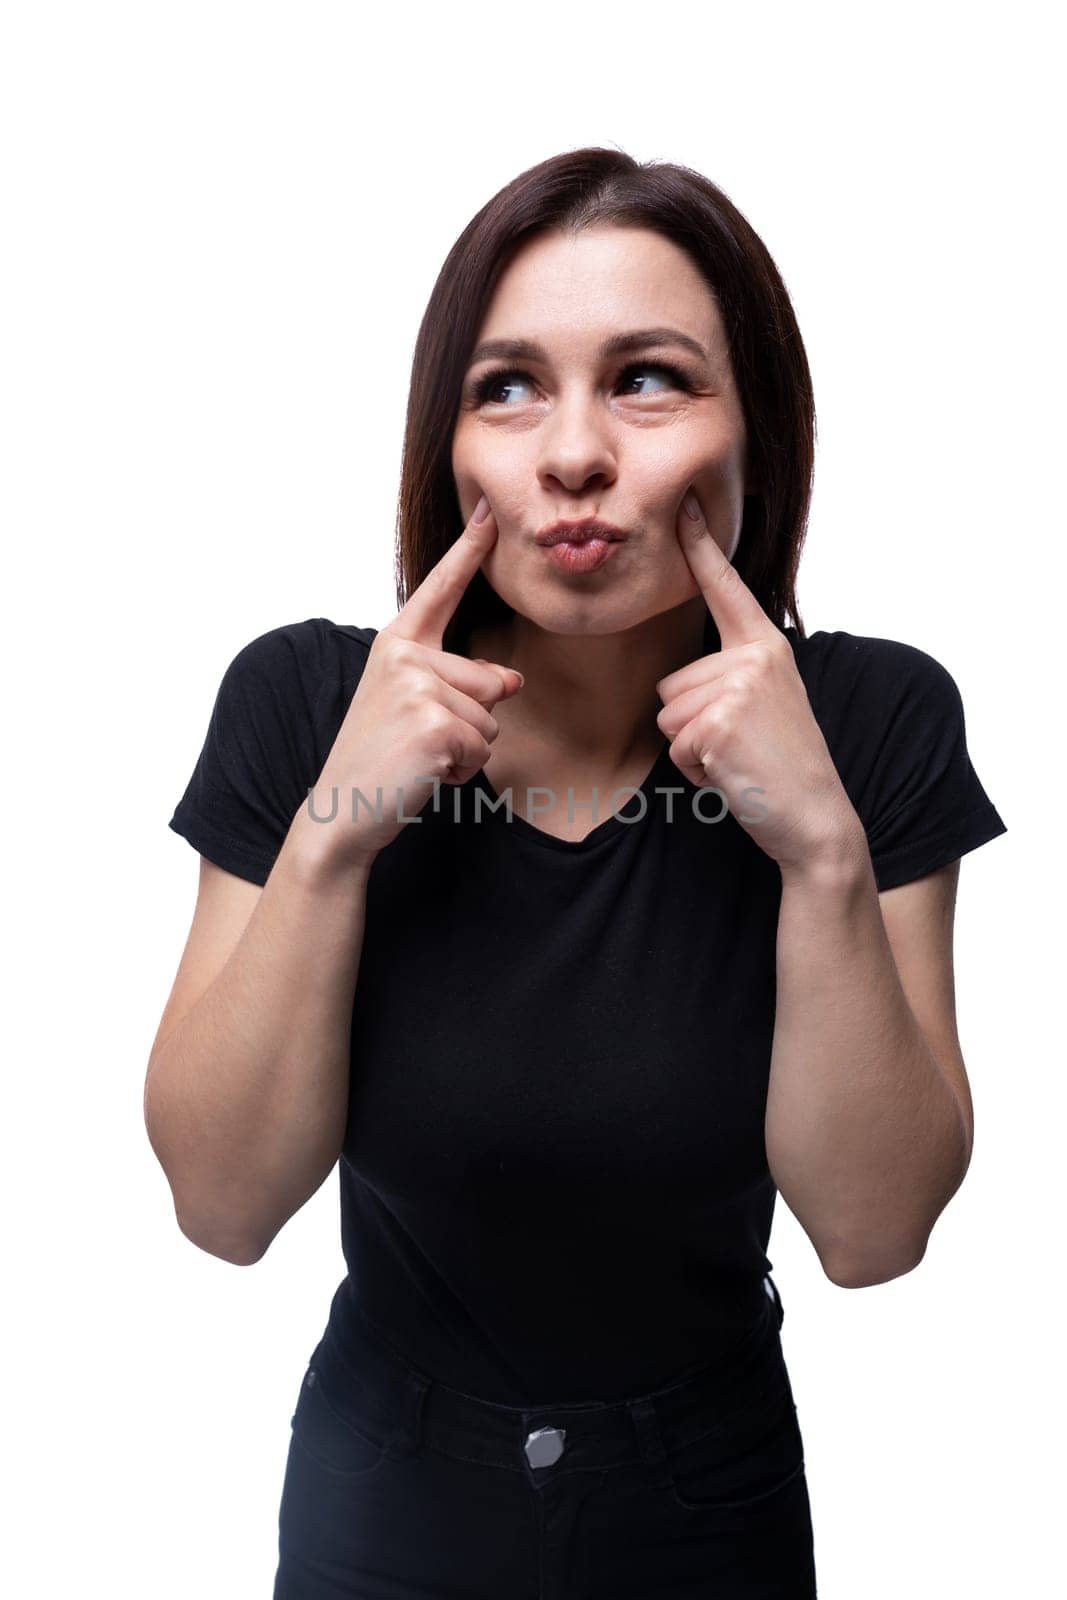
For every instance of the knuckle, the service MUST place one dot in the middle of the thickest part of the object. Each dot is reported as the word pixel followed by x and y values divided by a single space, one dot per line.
pixel 421 680
pixel 395 647
pixel 763 654
pixel 439 762
pixel 730 578
pixel 712 721
pixel 434 719
pixel 414 693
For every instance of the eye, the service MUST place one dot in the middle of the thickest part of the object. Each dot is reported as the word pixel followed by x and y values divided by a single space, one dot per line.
pixel 677 378
pixel 484 389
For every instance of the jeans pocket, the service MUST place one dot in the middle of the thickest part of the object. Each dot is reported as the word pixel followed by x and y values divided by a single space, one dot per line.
pixel 742 1467
pixel 335 1440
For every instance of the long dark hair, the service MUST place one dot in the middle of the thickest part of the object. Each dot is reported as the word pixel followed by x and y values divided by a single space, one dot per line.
pixel 573 191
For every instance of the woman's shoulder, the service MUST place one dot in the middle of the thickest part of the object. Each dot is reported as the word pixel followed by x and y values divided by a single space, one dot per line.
pixel 308 651
pixel 839 650
pixel 294 677
pixel 894 722
pixel 343 631
pixel 849 673
pixel 344 649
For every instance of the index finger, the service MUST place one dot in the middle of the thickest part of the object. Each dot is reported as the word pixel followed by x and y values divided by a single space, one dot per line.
pixel 431 608
pixel 736 612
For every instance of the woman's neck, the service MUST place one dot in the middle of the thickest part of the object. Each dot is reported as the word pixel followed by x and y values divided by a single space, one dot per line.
pixel 593 695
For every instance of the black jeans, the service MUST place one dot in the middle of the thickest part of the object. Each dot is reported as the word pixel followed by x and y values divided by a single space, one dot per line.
pixel 397 1487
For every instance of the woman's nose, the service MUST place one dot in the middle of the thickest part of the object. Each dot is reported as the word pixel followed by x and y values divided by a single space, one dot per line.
pixel 576 445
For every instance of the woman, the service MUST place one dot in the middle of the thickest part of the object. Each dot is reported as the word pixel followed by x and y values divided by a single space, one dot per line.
pixel 704 957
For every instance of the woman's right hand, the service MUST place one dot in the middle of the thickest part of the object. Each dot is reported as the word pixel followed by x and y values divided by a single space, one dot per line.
pixel 419 712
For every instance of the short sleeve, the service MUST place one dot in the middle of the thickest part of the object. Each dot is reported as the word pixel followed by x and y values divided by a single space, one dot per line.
pixel 260 754
pixel 897 730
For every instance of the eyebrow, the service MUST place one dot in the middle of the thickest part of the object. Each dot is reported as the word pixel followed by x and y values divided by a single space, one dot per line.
pixel 620 344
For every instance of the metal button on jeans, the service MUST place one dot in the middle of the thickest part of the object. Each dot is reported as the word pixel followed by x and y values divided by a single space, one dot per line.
pixel 544 1446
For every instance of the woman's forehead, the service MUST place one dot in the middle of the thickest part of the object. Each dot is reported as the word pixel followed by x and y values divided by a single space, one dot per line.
pixel 570 292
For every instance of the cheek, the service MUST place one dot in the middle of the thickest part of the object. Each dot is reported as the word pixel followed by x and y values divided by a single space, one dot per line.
pixel 473 466
pixel 498 473
pixel 658 491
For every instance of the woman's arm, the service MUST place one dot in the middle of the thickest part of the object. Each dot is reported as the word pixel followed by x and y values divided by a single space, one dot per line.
pixel 868 1116
pixel 868 1124
pixel 246 1096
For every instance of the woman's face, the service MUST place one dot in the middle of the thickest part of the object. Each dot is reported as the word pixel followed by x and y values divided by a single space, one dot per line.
pixel 574 431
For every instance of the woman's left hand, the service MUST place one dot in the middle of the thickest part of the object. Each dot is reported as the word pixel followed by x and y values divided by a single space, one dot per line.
pixel 741 722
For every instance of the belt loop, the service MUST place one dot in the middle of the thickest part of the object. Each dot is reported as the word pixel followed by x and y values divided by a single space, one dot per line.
pixel 772 1291
pixel 650 1439
pixel 408 1435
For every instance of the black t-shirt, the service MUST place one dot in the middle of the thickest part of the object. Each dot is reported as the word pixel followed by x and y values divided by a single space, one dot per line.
pixel 554 1184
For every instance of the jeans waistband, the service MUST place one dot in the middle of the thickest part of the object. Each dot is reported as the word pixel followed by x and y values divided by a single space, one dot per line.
pixel 406 1407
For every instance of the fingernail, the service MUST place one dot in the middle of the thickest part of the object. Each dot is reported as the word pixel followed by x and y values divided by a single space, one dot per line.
pixel 481 509
pixel 692 506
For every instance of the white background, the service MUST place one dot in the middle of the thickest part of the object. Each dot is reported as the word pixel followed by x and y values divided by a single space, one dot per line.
pixel 222 224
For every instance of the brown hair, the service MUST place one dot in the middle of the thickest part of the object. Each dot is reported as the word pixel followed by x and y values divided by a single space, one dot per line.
pixel 570 192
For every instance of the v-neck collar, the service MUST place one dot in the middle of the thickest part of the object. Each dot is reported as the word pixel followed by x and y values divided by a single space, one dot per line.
pixel 608 828
pixel 662 769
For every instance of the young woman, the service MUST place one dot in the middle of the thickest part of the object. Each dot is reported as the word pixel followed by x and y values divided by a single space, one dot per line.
pixel 575 913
